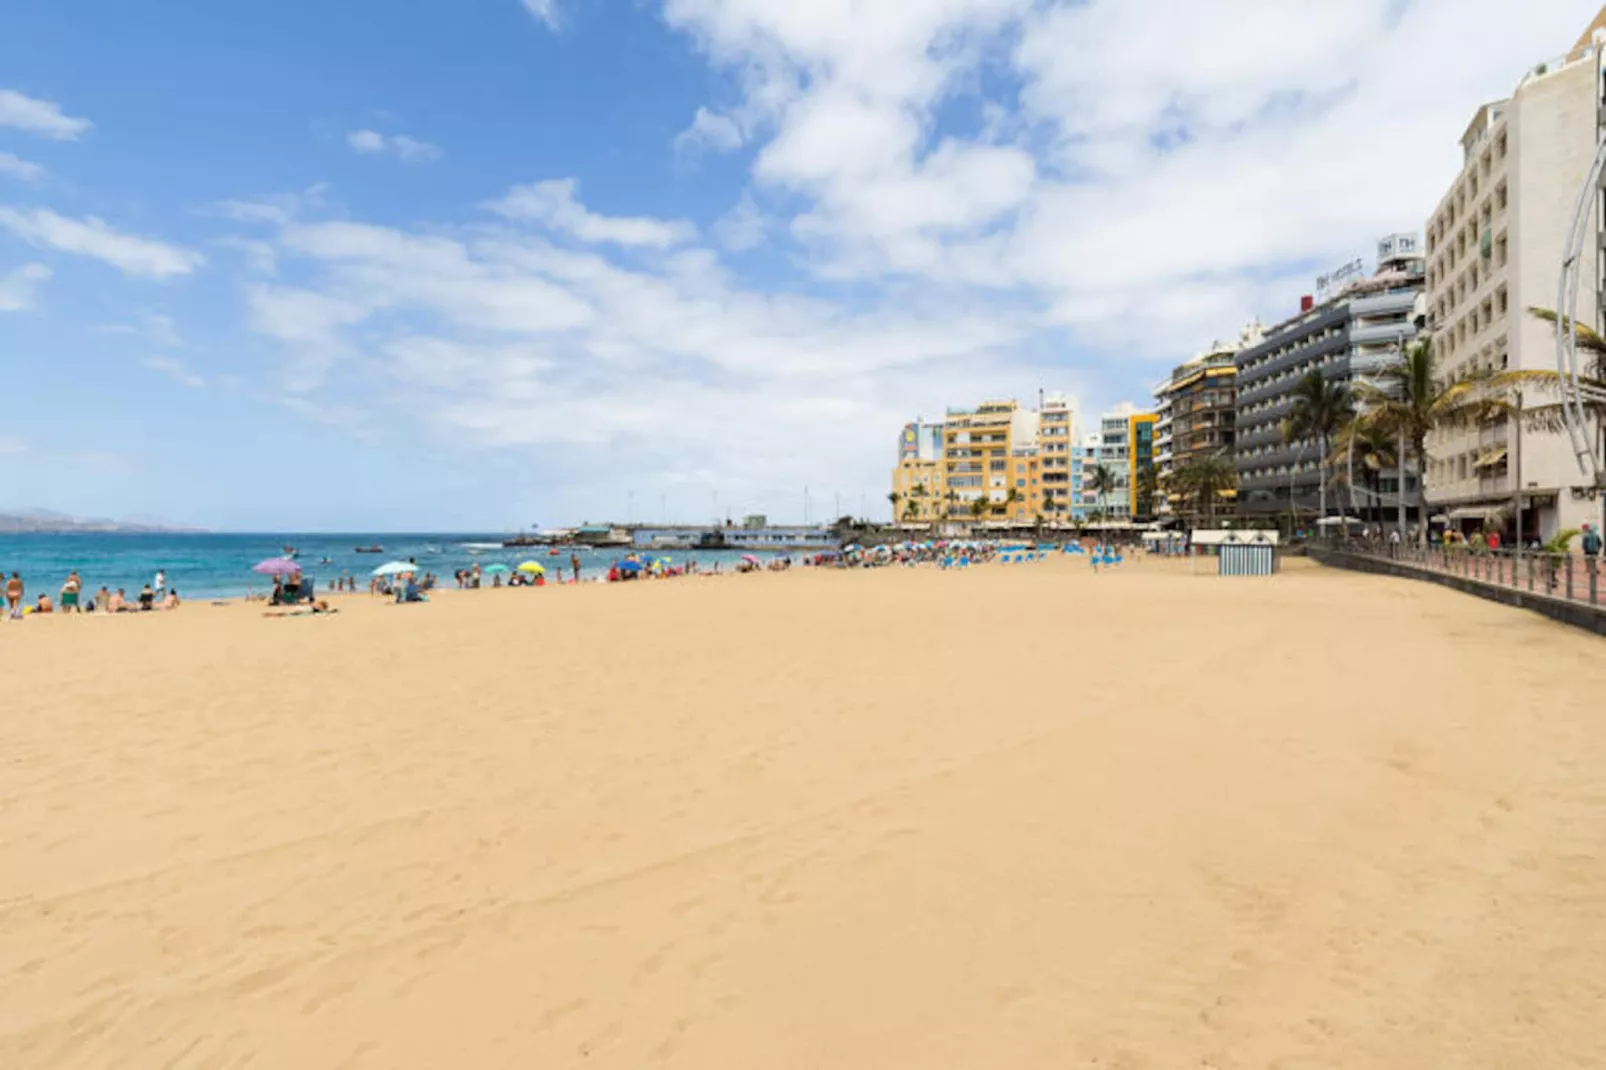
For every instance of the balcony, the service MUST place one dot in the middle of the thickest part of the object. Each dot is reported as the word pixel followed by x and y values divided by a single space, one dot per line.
pixel 1373 363
pixel 1365 334
pixel 1385 304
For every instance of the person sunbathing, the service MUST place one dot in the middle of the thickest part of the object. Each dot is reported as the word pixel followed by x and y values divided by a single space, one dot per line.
pixel 171 601
pixel 117 603
pixel 321 606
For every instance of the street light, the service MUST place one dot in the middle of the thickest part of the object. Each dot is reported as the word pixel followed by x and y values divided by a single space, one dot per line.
pixel 1293 470
pixel 1577 394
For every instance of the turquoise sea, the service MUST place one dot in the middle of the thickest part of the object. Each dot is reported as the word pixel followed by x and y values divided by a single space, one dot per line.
pixel 219 566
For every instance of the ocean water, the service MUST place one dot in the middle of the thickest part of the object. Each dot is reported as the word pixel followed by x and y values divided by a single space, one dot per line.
pixel 219 566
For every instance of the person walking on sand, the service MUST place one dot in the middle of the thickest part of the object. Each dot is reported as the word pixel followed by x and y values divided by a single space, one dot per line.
pixel 574 565
pixel 14 596
pixel 161 582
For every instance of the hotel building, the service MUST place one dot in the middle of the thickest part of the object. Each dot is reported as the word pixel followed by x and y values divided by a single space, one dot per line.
pixel 1361 328
pixel 1494 247
pixel 1196 410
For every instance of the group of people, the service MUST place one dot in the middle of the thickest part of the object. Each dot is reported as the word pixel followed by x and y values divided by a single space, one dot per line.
pixel 1493 542
pixel 71 598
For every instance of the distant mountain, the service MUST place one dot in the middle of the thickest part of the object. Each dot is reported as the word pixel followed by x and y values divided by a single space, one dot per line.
pixel 47 522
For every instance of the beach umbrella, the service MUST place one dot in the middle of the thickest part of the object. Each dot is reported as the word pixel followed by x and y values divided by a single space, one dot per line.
pixel 495 568
pixel 276 566
pixel 628 565
pixel 534 568
pixel 395 568
pixel 750 559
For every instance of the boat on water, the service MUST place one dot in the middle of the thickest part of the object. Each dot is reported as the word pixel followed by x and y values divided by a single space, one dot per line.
pixel 480 547
pixel 368 549
pixel 326 560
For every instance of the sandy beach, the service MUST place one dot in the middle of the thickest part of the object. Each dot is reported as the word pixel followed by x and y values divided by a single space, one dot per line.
pixel 1016 817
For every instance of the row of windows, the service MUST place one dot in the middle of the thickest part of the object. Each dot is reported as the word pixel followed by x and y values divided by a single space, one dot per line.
pixel 1455 206
pixel 1491 311
pixel 1464 466
pixel 1284 350
pixel 1295 371
pixel 1470 236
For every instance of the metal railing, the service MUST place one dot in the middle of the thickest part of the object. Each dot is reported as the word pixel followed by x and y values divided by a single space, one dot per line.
pixel 1569 577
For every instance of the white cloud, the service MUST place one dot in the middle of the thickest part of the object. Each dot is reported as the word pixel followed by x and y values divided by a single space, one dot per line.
pixel 133 255
pixel 743 227
pixel 42 117
pixel 504 341
pixel 276 209
pixel 412 149
pixel 1123 175
pixel 19 285
pixel 366 141
pixel 404 147
pixel 252 211
pixel 544 10
pixel 552 204
pixel 710 130
pixel 259 256
pixel 155 327
pixel 175 370
pixel 17 167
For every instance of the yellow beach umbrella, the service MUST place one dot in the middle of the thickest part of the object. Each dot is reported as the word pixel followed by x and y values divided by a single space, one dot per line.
pixel 532 567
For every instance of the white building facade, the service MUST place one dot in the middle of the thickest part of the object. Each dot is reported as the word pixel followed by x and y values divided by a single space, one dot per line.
pixel 1494 246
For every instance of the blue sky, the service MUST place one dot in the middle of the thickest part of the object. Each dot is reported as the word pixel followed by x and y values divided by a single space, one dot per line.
pixel 478 265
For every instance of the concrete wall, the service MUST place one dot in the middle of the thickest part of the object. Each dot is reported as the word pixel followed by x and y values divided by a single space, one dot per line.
pixel 1590 618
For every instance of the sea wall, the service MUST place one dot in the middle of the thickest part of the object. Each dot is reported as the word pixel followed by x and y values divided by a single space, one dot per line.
pixel 1577 614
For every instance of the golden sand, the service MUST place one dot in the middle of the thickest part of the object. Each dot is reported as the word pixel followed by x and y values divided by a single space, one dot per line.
pixel 1016 817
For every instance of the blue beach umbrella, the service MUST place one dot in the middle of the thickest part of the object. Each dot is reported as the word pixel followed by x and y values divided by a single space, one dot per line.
pixel 628 566
pixel 495 568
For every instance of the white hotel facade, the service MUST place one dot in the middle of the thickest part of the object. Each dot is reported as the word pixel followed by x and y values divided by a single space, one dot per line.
pixel 1494 248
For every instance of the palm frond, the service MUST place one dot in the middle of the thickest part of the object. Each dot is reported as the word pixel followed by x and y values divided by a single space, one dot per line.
pixel 1588 338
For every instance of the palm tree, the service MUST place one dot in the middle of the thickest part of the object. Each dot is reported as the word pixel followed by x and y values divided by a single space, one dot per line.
pixel 894 498
pixel 1204 479
pixel 1148 485
pixel 1368 444
pixel 978 507
pixel 1321 407
pixel 1409 401
pixel 1103 483
pixel 911 510
pixel 1592 376
pixel 1011 498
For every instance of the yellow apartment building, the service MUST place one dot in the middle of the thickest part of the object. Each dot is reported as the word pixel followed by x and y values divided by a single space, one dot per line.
pixel 919 482
pixel 1015 460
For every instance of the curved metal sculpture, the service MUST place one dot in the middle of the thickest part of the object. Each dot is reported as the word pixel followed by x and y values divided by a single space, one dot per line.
pixel 1575 390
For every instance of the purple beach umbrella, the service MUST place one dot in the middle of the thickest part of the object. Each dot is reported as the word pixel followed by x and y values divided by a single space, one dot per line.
pixel 276 566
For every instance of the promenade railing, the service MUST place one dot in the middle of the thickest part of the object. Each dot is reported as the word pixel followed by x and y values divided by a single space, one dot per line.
pixel 1570 577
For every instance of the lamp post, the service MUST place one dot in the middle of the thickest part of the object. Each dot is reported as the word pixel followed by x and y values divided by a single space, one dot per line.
pixel 1293 471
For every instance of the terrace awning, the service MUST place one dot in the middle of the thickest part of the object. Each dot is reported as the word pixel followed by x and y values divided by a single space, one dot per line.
pixel 1474 512
pixel 1490 458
